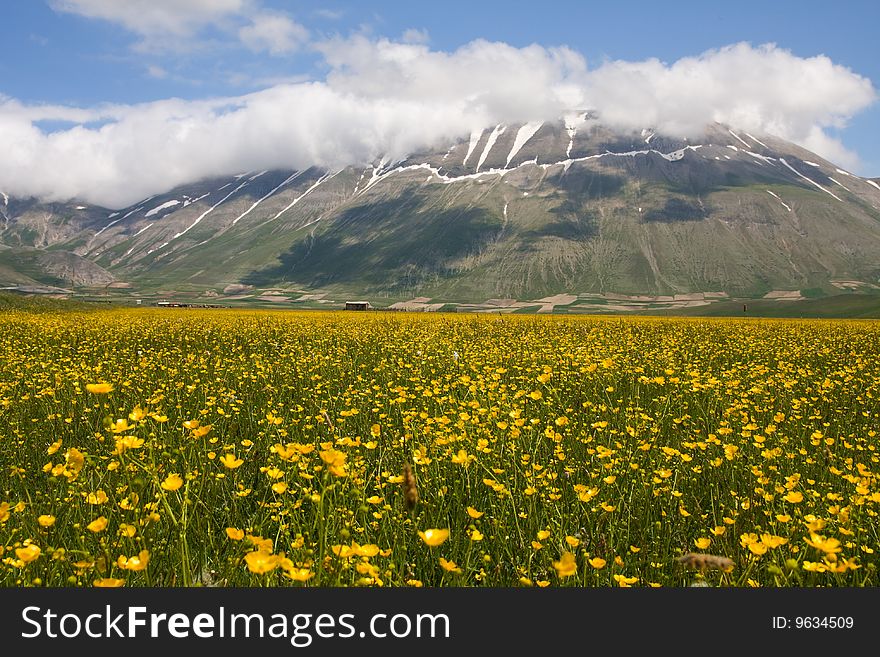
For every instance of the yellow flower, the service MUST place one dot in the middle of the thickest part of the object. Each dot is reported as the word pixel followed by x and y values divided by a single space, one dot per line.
pixel 813 523
pixel 814 566
pixel 279 487
pixel 28 553
pixel 74 461
pixel 191 424
pixel 261 562
pixel 758 548
pixel 473 513
pixel 597 563
pixel 625 582
pixel 476 536
pixel 201 431
pixel 449 566
pixel 298 574
pixel 826 545
pixel 230 461
pixel 585 494
pixel 261 544
pixel 342 551
pixel 566 566
pixel 46 521
pixel 137 414
pixel 100 497
pixel 172 482
pixel 120 425
pixel 109 582
pixel 128 442
pixel 794 497
pixel 4 511
pixel 772 541
pixel 235 534
pixel 335 461
pixel 434 537
pixel 703 543
pixel 462 458
pixel 136 563
pixel 97 525
pixel 99 388
pixel 543 534
pixel 368 550
pixel 572 541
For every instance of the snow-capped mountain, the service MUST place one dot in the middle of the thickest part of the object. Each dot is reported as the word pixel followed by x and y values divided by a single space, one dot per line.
pixel 511 211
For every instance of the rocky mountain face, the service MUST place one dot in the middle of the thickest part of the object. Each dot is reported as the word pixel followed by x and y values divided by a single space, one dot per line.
pixel 515 211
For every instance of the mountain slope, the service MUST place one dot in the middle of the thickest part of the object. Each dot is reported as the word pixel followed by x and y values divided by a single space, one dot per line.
pixel 513 211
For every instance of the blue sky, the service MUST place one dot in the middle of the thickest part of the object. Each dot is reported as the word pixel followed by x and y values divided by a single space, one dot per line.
pixel 67 53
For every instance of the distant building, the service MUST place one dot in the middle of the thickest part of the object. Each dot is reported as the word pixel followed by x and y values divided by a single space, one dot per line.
pixel 357 305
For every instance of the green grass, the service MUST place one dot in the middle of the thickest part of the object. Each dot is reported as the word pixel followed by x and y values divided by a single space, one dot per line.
pixel 853 306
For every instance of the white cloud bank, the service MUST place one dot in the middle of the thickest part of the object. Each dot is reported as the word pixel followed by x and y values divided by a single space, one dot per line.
pixel 382 97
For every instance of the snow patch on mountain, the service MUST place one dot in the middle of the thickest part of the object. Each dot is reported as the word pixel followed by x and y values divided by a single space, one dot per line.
pixel 572 123
pixel 812 182
pixel 784 204
pixel 497 132
pixel 115 221
pixel 159 208
pixel 475 139
pixel 745 143
pixel 326 176
pixel 755 139
pixel 207 212
pixel 523 135
pixel 289 180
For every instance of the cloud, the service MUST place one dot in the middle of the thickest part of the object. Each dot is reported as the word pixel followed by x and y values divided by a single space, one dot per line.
pixel 329 14
pixel 274 33
pixel 389 98
pixel 412 35
pixel 157 72
pixel 176 24
pixel 764 89
pixel 150 18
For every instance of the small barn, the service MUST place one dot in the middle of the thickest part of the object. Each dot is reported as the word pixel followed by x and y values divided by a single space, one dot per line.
pixel 357 305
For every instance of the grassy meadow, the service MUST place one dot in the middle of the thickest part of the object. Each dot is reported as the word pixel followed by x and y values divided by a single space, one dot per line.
pixel 255 448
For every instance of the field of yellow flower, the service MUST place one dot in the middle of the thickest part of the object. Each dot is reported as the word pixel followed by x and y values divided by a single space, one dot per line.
pixel 238 448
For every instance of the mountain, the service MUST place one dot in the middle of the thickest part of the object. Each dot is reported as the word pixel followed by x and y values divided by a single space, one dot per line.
pixel 518 212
